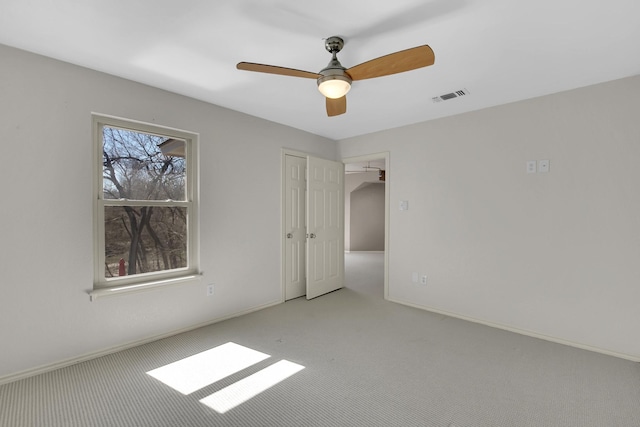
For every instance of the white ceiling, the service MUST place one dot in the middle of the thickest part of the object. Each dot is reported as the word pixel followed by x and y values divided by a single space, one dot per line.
pixel 499 50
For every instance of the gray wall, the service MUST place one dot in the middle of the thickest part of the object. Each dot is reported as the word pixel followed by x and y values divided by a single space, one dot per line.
pixel 554 255
pixel 46 214
pixel 367 217
pixel 549 254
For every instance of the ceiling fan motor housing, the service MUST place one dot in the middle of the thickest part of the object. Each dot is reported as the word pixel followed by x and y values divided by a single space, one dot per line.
pixel 334 75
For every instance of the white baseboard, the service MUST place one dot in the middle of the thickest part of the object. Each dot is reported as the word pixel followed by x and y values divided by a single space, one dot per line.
pixel 93 355
pixel 633 358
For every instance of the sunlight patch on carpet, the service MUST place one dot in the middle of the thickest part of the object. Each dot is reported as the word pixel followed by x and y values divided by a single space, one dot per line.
pixel 200 370
pixel 243 390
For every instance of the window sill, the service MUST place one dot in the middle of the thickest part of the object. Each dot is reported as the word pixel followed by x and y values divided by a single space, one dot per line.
pixel 140 287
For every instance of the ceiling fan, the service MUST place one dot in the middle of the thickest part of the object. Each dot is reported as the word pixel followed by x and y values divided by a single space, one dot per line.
pixel 334 81
pixel 368 168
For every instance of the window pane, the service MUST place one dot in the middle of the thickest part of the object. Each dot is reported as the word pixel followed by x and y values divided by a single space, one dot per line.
pixel 146 239
pixel 141 166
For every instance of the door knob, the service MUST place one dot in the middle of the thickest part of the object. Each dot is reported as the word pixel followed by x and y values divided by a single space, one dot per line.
pixel 312 235
pixel 289 235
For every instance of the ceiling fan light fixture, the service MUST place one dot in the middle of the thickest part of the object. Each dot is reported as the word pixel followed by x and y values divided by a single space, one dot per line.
pixel 334 86
pixel 334 81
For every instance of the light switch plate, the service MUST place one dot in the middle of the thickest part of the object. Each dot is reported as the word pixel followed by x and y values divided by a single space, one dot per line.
pixel 404 205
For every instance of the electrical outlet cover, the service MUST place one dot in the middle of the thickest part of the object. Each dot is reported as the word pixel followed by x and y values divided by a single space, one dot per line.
pixel 531 166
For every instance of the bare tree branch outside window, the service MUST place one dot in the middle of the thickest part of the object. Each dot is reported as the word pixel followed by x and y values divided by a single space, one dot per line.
pixel 152 237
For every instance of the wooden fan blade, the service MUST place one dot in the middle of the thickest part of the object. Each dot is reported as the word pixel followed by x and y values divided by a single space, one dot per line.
pixel 399 62
pixel 336 106
pixel 273 69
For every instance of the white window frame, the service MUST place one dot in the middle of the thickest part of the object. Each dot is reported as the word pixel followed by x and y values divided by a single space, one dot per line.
pixel 103 286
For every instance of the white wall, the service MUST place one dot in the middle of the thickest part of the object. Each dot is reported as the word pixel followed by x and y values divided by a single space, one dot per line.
pixel 553 255
pixel 46 212
pixel 351 182
pixel 367 217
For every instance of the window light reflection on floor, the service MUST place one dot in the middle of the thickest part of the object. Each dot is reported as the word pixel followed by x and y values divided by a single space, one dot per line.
pixel 200 370
pixel 243 390
pixel 203 369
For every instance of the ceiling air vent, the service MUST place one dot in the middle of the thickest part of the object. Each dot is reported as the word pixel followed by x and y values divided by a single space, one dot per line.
pixel 456 94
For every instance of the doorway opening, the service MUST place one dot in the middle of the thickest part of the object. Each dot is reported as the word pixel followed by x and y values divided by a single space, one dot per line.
pixel 367 210
pixel 301 234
